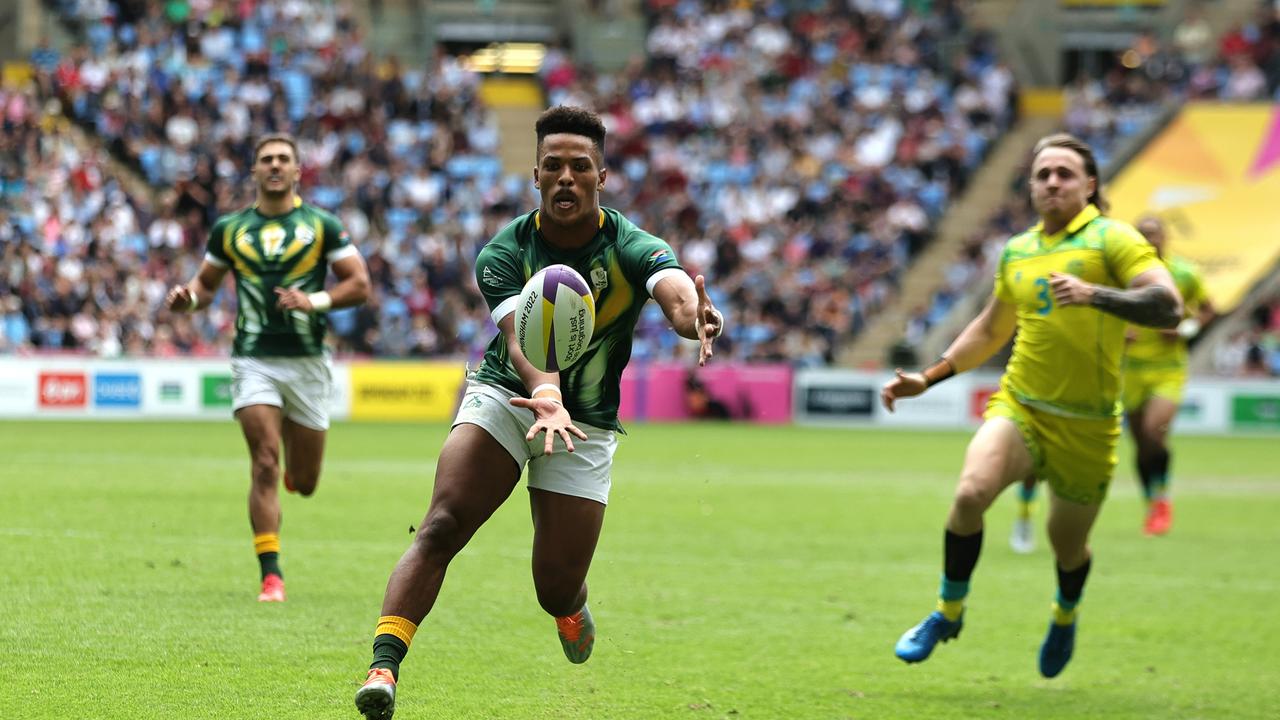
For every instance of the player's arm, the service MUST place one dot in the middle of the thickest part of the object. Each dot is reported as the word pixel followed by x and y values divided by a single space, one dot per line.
pixel 351 289
pixel 980 339
pixel 689 309
pixel 545 397
pixel 1151 299
pixel 199 292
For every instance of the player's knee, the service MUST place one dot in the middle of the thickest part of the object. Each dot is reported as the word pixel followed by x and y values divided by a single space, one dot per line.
pixel 440 535
pixel 972 497
pixel 266 467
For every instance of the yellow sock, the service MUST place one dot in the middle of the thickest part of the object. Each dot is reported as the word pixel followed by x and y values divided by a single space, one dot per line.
pixel 266 542
pixel 1063 617
pixel 397 626
pixel 951 609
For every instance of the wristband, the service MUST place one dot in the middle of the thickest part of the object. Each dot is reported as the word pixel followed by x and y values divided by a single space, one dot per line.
pixel 547 386
pixel 948 372
pixel 320 301
pixel 195 300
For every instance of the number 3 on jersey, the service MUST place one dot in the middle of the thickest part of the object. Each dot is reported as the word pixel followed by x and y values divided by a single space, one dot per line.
pixel 1046 301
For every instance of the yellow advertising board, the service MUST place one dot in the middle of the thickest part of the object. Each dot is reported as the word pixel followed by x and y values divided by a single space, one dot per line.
pixel 405 390
pixel 1213 175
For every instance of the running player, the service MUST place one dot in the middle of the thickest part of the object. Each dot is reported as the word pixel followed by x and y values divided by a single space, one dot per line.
pixel 508 403
pixel 1068 286
pixel 279 251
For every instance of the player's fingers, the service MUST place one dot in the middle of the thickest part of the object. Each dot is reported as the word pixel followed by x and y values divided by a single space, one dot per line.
pixel 700 284
pixel 568 441
pixel 550 445
pixel 280 290
pixel 533 431
pixel 577 431
pixel 521 402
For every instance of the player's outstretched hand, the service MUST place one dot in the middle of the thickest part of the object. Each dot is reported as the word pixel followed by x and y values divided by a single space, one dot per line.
pixel 710 321
pixel 1069 289
pixel 179 298
pixel 292 299
pixel 549 416
pixel 903 385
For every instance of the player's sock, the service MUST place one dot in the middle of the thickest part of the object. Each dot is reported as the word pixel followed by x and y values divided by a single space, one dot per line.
pixel 960 556
pixel 267 546
pixel 1026 501
pixel 391 642
pixel 1070 588
pixel 1153 468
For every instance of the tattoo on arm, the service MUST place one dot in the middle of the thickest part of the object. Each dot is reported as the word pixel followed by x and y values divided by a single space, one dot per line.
pixel 1152 305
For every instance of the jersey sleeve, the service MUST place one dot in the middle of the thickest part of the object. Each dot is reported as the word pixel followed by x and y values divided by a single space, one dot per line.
pixel 215 251
pixel 337 243
pixel 500 280
pixel 646 259
pixel 1001 290
pixel 1127 253
pixel 1196 295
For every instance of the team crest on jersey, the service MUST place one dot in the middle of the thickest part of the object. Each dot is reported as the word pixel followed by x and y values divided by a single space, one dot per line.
pixel 1076 267
pixel 272 238
pixel 489 277
pixel 304 235
pixel 659 256
pixel 599 278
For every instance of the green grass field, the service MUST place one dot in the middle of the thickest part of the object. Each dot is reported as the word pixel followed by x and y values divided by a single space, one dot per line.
pixel 744 573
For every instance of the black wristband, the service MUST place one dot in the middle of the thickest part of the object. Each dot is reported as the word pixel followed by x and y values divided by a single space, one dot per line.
pixel 950 371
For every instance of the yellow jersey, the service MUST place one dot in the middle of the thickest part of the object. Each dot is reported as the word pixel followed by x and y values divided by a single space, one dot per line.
pixel 1066 360
pixel 1152 349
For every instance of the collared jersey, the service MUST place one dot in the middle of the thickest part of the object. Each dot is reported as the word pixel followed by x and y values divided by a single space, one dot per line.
pixel 292 250
pixel 621 265
pixel 1150 347
pixel 1066 360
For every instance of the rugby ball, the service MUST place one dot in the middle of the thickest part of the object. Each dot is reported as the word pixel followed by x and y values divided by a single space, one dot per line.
pixel 555 318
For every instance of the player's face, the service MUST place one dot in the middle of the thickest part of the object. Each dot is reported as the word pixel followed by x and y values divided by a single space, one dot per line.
pixel 569 178
pixel 1153 231
pixel 275 169
pixel 1059 186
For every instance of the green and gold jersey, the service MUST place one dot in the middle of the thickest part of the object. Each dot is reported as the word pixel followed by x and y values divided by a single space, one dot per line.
pixel 621 264
pixel 1151 348
pixel 1066 360
pixel 293 250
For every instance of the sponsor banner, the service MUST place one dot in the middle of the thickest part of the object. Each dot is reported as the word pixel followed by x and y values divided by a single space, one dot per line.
pixel 63 390
pixel 668 392
pixel 17 392
pixel 1213 175
pixel 836 397
pixel 405 391
pixel 215 390
pixel 117 391
pixel 1255 411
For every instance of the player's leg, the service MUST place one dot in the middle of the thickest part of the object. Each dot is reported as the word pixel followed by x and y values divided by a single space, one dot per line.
pixel 306 384
pixel 260 425
pixel 1022 538
pixel 303 455
pixel 565 532
pixel 475 474
pixel 997 457
pixel 1152 441
pixel 1069 525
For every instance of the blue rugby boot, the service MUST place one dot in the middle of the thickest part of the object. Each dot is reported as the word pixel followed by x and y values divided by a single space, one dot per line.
pixel 1056 651
pixel 917 643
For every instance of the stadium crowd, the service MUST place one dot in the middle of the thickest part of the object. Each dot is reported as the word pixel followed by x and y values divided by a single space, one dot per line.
pixel 805 212
pixel 1109 111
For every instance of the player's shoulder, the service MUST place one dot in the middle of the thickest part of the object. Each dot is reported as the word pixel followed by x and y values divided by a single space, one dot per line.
pixel 620 227
pixel 319 213
pixel 1111 229
pixel 1020 245
pixel 233 218
pixel 512 237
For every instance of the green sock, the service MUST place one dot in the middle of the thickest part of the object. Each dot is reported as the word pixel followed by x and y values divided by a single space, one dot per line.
pixel 389 652
pixel 270 564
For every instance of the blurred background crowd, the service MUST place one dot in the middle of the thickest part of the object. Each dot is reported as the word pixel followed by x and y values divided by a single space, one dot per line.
pixel 798 154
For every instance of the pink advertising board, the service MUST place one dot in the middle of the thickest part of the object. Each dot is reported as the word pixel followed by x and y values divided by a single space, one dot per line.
pixel 661 392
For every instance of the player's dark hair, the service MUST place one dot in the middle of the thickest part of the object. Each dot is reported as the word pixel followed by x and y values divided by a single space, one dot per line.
pixel 572 121
pixel 1081 148
pixel 275 137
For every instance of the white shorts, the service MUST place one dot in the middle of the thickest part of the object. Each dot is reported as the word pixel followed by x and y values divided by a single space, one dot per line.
pixel 583 473
pixel 299 386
